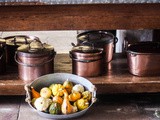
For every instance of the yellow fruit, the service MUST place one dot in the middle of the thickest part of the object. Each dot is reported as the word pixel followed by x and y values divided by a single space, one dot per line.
pixel 87 95
pixel 74 96
pixel 68 85
pixel 57 90
pixel 82 104
pixel 45 92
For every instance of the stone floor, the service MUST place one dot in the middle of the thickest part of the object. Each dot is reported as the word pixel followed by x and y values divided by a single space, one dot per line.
pixel 107 107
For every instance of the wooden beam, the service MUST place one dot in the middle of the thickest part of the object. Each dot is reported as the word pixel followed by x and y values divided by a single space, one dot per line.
pixel 79 17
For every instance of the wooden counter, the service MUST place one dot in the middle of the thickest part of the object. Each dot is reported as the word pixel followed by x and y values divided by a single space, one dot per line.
pixel 116 80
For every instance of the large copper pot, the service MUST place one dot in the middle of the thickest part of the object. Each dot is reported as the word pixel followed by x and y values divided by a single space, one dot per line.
pixel 87 63
pixel 100 39
pixel 144 58
pixel 13 42
pixel 33 63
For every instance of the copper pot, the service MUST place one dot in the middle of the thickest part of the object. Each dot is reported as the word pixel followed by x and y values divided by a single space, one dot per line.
pixel 2 58
pixel 34 62
pixel 100 39
pixel 12 43
pixel 143 58
pixel 87 62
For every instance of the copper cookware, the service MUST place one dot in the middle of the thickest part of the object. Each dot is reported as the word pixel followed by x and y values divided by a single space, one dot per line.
pixel 34 60
pixel 2 57
pixel 100 39
pixel 12 43
pixel 144 58
pixel 86 61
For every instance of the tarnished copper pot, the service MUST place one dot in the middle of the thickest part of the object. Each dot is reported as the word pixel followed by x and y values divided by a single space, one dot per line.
pixel 100 39
pixel 87 63
pixel 144 58
pixel 33 63
pixel 2 58
pixel 13 42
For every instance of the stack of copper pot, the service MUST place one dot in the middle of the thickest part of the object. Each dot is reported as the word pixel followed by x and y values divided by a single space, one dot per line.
pixel 93 51
pixel 34 60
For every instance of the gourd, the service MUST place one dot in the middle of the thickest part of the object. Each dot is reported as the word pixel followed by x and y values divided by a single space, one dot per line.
pixel 42 103
pixel 74 96
pixel 57 90
pixel 68 85
pixel 66 107
pixel 87 95
pixel 55 108
pixel 34 93
pixel 78 88
pixel 57 99
pixel 82 104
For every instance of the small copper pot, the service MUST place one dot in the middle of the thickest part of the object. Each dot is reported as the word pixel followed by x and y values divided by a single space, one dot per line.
pixel 99 39
pixel 33 63
pixel 144 58
pixel 87 63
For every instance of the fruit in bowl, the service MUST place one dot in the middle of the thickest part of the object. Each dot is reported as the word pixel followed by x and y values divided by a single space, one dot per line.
pixel 60 95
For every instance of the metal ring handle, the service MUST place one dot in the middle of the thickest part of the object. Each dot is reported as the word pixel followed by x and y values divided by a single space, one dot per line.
pixel 84 61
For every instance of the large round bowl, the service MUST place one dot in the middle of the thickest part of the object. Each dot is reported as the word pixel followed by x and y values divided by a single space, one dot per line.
pixel 49 79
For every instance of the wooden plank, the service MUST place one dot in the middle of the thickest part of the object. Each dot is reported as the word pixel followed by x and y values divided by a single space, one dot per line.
pixel 116 80
pixel 76 17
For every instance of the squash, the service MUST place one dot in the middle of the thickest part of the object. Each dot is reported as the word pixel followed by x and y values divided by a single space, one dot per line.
pixel 66 107
pixel 55 108
pixel 68 85
pixel 87 95
pixel 57 90
pixel 57 99
pixel 34 93
pixel 82 104
pixel 78 88
pixel 74 96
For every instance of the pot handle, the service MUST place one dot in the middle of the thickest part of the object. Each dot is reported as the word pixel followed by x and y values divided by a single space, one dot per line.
pixel 32 65
pixel 93 90
pixel 15 39
pixel 28 95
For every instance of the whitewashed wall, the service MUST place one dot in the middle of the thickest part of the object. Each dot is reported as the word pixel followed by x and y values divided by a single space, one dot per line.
pixel 61 40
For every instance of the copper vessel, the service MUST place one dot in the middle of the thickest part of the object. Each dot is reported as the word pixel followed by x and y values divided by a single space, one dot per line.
pixel 144 58
pixel 2 58
pixel 99 39
pixel 34 62
pixel 87 62
pixel 12 43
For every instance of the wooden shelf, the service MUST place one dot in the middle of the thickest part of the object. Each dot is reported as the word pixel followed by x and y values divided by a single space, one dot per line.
pixel 116 80
pixel 79 17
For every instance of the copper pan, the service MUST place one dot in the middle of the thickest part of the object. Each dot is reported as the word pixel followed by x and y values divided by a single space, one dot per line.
pixel 144 58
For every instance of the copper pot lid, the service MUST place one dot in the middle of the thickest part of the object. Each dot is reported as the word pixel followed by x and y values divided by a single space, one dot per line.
pixel 20 40
pixel 100 36
pixel 86 49
pixel 36 47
